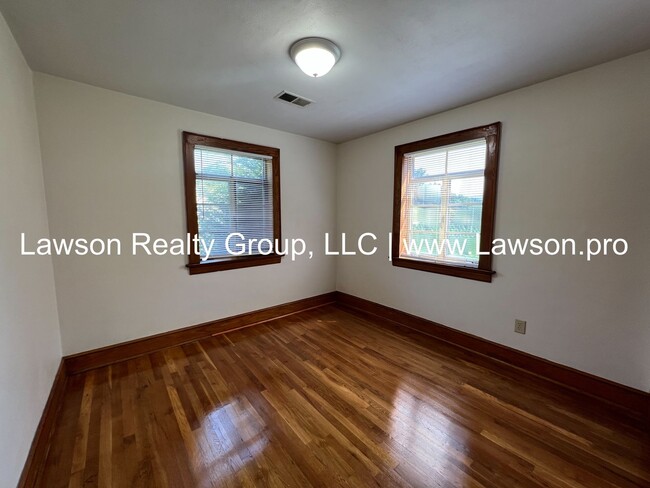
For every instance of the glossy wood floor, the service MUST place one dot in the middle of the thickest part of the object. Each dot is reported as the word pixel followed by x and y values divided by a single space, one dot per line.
pixel 331 398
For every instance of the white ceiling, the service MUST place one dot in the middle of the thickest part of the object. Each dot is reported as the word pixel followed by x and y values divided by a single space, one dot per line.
pixel 401 60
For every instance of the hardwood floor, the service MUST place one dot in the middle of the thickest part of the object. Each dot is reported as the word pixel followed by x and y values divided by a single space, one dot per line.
pixel 331 397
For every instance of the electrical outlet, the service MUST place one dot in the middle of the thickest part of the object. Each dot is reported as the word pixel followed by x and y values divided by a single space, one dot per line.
pixel 520 326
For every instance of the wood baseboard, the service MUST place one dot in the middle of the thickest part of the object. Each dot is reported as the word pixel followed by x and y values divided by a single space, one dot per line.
pixel 41 443
pixel 636 401
pixel 104 356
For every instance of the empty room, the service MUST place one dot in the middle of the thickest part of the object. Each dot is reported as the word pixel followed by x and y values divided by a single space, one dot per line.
pixel 299 243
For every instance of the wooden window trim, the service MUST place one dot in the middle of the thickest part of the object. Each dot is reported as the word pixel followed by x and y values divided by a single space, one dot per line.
pixel 190 140
pixel 492 134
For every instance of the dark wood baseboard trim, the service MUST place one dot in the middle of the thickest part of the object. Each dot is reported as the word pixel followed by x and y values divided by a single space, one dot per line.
pixel 636 401
pixel 41 443
pixel 104 356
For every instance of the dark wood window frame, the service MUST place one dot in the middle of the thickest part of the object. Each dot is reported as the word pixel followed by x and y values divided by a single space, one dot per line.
pixel 190 140
pixel 491 133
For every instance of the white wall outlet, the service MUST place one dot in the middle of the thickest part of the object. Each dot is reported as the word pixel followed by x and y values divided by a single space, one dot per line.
pixel 520 326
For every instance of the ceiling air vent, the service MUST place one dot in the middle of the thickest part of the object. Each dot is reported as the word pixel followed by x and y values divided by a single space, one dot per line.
pixel 293 99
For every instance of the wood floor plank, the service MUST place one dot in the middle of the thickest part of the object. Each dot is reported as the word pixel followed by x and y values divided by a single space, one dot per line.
pixel 330 397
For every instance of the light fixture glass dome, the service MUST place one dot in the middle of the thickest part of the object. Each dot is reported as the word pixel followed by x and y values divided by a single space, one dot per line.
pixel 315 56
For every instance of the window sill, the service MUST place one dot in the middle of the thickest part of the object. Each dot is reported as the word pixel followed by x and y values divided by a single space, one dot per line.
pixel 234 262
pixel 449 270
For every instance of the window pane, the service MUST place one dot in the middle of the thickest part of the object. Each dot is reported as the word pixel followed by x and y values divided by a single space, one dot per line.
pixel 452 220
pixel 429 164
pixel 467 157
pixel 213 212
pixel 465 206
pixel 423 243
pixel 254 209
pixel 426 218
pixel 244 167
pixel 248 210
pixel 212 191
pixel 462 247
pixel 215 223
pixel 426 193
pixel 467 190
pixel 211 163
pixel 464 218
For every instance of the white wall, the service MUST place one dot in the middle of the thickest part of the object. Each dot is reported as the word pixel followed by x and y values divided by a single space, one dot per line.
pixel 112 166
pixel 30 346
pixel 574 163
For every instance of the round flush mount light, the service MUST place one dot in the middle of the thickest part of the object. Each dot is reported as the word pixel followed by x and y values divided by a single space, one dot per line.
pixel 315 56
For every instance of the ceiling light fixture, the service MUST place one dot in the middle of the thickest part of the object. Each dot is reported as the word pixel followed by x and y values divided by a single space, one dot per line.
pixel 314 55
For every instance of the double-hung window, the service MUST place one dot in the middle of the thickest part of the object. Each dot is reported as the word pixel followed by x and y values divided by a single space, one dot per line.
pixel 233 202
pixel 444 203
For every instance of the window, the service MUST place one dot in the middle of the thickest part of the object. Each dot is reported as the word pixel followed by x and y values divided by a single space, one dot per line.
pixel 444 203
pixel 231 189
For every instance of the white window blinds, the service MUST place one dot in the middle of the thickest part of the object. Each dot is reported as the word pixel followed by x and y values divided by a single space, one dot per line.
pixel 442 203
pixel 234 194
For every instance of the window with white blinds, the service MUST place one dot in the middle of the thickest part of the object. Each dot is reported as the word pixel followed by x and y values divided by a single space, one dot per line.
pixel 444 203
pixel 232 192
pixel 443 200
pixel 233 195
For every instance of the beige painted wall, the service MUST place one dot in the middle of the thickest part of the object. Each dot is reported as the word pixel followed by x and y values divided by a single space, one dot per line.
pixel 574 163
pixel 30 346
pixel 112 166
